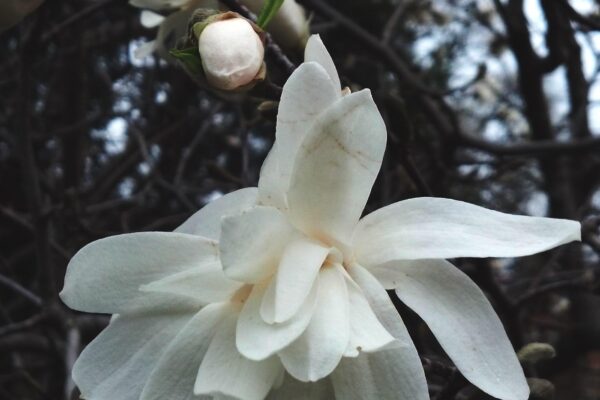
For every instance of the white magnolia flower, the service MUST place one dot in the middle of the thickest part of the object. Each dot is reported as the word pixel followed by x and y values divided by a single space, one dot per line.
pixel 278 292
pixel 13 11
pixel 231 52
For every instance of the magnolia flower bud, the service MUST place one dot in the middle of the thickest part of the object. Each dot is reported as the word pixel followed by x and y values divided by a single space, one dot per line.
pixel 13 11
pixel 231 52
pixel 535 352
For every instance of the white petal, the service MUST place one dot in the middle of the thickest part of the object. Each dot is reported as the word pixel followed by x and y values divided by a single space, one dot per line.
pixel 293 389
pixel 316 51
pixel 428 228
pixel 150 19
pixel 158 4
pixel 106 274
pixel 252 243
pixel 465 324
pixel 155 303
pixel 207 221
pixel 144 50
pixel 380 302
pixel 117 364
pixel 258 340
pixel 387 274
pixel 306 94
pixel 409 376
pixel 382 375
pixel 317 352
pixel 299 266
pixel 366 332
pixel 175 374
pixel 225 371
pixel 336 167
pixel 207 283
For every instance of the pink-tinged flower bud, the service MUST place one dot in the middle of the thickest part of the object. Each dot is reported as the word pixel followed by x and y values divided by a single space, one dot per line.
pixel 232 53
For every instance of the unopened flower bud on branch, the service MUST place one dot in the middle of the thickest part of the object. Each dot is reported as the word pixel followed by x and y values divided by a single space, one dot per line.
pixel 231 50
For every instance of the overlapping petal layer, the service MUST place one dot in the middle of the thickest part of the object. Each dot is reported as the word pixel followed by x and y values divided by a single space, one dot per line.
pixel 207 221
pixel 117 364
pixel 408 380
pixel 206 283
pixel 300 264
pixel 225 371
pixel 367 334
pixel 252 243
pixel 307 93
pixel 317 352
pixel 175 373
pixel 258 340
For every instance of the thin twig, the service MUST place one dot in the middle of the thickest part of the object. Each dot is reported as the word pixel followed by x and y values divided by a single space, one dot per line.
pixel 31 297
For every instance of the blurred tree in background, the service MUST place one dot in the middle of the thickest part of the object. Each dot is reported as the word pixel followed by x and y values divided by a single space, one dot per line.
pixel 492 102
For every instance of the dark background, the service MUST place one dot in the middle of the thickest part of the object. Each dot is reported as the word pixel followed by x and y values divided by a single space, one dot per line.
pixel 488 102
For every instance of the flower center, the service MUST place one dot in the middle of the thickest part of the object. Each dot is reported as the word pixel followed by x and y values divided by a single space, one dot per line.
pixel 242 294
pixel 335 256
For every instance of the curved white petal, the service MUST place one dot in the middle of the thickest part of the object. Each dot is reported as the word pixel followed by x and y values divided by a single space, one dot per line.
pixel 367 334
pixel 144 50
pixel 306 94
pixel 336 166
pixel 174 376
pixel 465 324
pixel 117 364
pixel 207 221
pixel 292 389
pixel 428 228
pixel 150 19
pixel 317 352
pixel 225 371
pixel 299 266
pixel 381 375
pixel 207 283
pixel 409 377
pixel 258 340
pixel 252 243
pixel 316 51
pixel 106 274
